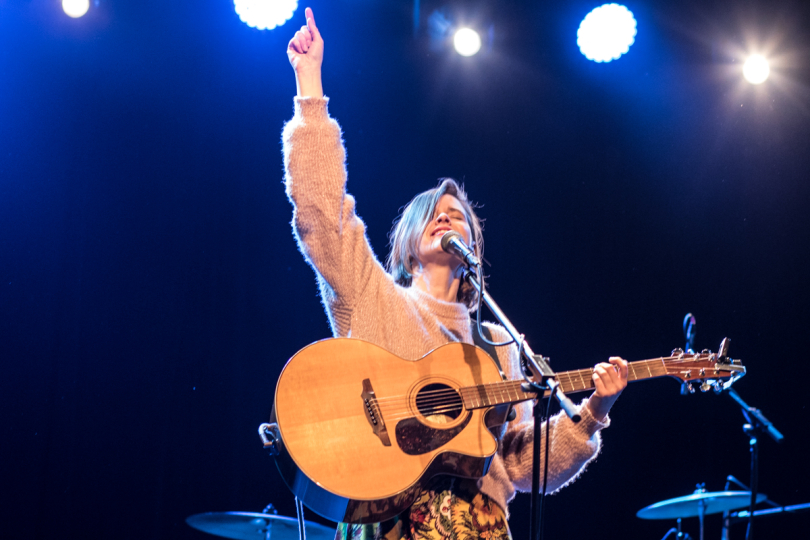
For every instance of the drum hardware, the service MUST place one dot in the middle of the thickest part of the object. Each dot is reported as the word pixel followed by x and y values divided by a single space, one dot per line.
pixel 755 424
pixel 257 526
pixel 676 530
pixel 700 504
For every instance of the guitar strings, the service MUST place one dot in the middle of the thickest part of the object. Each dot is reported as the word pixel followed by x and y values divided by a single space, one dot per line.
pixel 569 377
pixel 451 399
pixel 469 393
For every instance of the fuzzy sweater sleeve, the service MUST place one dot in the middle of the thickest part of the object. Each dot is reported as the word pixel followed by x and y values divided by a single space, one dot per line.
pixel 329 233
pixel 572 446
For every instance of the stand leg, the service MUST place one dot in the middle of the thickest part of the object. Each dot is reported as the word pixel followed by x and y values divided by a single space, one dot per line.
pixel 536 508
pixel 749 535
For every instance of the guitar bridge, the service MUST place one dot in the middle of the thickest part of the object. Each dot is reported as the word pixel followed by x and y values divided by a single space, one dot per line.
pixel 373 414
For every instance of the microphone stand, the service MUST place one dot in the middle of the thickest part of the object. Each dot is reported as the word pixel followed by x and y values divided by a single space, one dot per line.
pixel 756 423
pixel 540 379
pixel 539 370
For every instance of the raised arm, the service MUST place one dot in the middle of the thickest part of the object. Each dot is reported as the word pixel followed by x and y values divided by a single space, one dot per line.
pixel 329 233
pixel 305 52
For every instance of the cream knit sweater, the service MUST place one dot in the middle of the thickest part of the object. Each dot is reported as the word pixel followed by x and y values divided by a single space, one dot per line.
pixel 362 300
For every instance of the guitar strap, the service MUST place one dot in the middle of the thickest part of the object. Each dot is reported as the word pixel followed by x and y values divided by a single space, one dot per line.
pixel 490 350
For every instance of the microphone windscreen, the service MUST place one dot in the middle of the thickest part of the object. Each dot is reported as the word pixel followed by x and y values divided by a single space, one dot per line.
pixel 447 238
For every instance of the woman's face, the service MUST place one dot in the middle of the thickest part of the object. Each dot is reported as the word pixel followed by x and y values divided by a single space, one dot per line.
pixel 449 215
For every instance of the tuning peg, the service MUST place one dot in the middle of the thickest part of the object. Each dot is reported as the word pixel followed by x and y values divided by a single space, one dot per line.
pixel 707 385
pixel 722 354
pixel 687 388
pixel 677 352
pixel 718 386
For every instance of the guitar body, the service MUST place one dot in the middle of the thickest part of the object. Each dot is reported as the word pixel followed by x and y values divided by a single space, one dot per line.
pixel 358 431
pixel 361 430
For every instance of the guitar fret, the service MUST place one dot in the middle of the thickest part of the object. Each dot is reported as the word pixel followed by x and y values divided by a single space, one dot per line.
pixel 571 385
pixel 582 379
pixel 565 381
pixel 515 386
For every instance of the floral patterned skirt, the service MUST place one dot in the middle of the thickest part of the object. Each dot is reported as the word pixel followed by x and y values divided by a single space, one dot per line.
pixel 449 509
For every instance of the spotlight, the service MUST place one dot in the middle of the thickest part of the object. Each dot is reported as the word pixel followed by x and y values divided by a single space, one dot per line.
pixel 756 69
pixel 265 14
pixel 606 33
pixel 75 8
pixel 467 42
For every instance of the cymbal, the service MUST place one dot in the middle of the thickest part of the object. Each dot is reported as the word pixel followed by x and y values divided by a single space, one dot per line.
pixel 254 526
pixel 690 505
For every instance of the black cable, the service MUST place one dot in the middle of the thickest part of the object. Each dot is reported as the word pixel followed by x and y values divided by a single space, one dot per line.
pixel 542 495
pixel 480 276
pixel 299 510
pixel 545 467
pixel 689 323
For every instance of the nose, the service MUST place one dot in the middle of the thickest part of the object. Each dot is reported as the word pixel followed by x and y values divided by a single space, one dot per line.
pixel 442 218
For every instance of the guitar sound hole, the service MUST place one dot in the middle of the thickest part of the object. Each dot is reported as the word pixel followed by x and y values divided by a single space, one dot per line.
pixel 439 400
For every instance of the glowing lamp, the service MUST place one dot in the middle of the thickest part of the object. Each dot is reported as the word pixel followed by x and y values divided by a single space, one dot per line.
pixel 265 14
pixel 467 42
pixel 75 8
pixel 756 69
pixel 606 33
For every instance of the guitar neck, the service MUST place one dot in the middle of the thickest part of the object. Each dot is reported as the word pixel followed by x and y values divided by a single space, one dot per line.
pixel 580 380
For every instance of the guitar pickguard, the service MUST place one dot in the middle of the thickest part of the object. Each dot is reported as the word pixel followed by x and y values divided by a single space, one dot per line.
pixel 415 438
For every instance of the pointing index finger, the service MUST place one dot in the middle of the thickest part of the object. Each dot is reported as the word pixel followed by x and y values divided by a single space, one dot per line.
pixel 311 23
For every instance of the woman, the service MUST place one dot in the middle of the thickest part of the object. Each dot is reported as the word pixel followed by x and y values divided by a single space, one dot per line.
pixel 420 304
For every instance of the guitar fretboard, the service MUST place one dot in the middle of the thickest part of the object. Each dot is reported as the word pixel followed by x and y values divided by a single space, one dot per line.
pixel 580 380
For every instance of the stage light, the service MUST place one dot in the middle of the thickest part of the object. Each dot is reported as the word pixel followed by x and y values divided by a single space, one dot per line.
pixel 606 33
pixel 756 69
pixel 75 8
pixel 265 14
pixel 467 42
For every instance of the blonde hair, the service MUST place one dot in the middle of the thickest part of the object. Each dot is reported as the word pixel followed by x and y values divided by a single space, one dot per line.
pixel 407 232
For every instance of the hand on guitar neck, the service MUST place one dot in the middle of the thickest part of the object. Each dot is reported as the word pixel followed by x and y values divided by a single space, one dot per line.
pixel 610 379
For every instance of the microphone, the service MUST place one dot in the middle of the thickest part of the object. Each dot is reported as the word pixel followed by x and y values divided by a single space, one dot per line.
pixel 452 243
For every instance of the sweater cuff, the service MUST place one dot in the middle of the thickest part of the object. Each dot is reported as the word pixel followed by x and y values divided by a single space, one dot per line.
pixel 311 107
pixel 589 423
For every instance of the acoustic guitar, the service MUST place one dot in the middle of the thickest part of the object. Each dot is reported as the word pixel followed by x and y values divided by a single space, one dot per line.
pixel 358 431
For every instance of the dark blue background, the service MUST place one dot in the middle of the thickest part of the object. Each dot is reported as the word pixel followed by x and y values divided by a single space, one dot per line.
pixel 151 290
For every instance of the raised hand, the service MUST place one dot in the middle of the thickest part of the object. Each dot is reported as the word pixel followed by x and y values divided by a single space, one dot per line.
pixel 305 52
pixel 610 378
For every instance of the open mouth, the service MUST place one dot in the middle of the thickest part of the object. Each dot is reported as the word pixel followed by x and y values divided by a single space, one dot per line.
pixel 440 231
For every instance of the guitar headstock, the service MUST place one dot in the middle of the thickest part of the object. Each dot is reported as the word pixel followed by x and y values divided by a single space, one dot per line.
pixel 712 370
